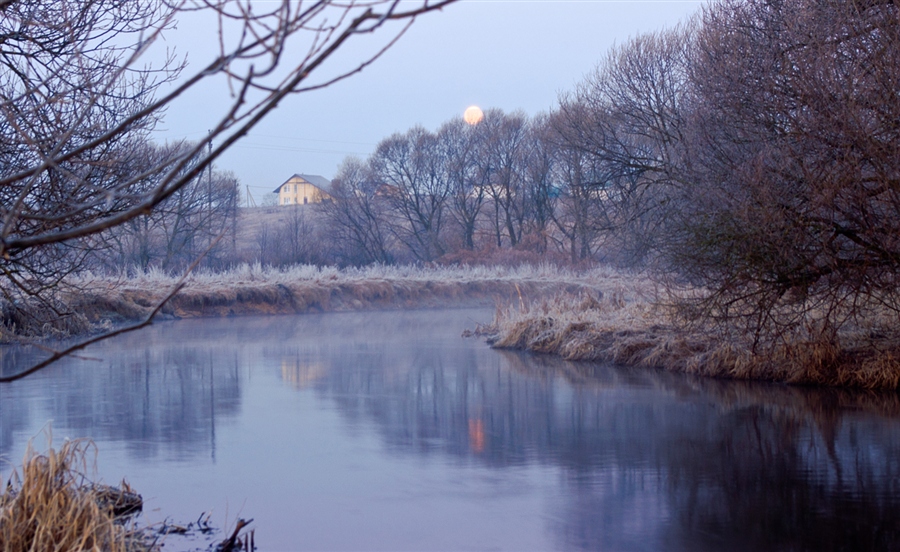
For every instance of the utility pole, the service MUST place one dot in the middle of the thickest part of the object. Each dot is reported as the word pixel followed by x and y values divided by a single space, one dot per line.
pixel 209 177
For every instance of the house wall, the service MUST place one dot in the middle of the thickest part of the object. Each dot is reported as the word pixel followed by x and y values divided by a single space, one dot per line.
pixel 298 191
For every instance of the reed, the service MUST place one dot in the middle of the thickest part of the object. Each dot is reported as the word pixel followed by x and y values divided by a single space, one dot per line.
pixel 94 303
pixel 50 505
pixel 629 328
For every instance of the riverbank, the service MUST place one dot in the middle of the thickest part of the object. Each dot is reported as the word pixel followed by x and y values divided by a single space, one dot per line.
pixel 634 331
pixel 92 303
pixel 598 315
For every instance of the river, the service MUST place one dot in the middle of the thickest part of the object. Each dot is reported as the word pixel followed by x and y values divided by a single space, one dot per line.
pixel 389 431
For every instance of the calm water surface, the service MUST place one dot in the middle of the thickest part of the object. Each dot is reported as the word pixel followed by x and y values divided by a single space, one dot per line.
pixel 388 431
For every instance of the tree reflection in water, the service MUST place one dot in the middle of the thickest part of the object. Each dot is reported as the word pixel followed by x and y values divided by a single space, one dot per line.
pixel 652 460
pixel 158 396
pixel 646 460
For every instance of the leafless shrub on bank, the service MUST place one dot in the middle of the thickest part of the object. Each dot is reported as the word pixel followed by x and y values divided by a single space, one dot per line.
pixel 790 213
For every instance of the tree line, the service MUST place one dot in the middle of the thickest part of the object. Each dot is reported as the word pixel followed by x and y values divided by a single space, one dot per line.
pixel 469 192
pixel 748 154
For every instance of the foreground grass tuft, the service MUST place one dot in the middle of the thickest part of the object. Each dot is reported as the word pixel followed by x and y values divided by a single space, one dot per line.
pixel 50 505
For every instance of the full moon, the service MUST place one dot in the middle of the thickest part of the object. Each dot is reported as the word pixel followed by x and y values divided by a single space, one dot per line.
pixel 473 115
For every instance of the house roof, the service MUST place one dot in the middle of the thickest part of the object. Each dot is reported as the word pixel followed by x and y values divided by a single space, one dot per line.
pixel 319 182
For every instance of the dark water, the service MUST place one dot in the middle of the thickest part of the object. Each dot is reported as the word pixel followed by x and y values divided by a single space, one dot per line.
pixel 387 431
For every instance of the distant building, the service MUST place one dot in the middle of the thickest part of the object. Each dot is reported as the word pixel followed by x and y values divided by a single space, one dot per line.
pixel 302 189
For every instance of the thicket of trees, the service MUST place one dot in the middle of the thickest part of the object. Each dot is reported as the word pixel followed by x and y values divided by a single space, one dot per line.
pixel 200 218
pixel 750 153
pixel 595 180
pixel 790 199
pixel 470 192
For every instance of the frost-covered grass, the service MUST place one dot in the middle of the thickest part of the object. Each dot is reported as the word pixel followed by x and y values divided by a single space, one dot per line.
pixel 100 302
pixel 255 274
pixel 600 314
pixel 635 330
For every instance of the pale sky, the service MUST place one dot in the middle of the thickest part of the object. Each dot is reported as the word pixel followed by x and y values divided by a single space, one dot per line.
pixel 507 54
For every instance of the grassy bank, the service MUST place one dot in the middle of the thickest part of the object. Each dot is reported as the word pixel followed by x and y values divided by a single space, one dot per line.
pixel 602 314
pixel 627 328
pixel 94 302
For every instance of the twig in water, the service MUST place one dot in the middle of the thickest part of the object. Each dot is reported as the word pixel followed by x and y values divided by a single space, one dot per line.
pixel 232 543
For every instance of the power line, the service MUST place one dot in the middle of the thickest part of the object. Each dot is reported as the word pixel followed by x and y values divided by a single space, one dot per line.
pixel 311 139
pixel 273 136
pixel 272 147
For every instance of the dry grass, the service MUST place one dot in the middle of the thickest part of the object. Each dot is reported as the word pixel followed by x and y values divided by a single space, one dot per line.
pixel 102 301
pixel 49 505
pixel 625 326
pixel 602 314
pixel 32 317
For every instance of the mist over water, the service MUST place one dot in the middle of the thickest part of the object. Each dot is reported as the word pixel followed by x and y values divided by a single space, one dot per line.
pixel 388 431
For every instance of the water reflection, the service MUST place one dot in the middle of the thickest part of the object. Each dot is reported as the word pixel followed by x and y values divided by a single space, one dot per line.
pixel 158 399
pixel 651 460
pixel 645 460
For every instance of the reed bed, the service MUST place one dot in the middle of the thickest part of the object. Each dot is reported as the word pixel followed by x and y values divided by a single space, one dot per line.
pixel 50 505
pixel 256 273
pixel 93 302
pixel 628 327
pixel 601 314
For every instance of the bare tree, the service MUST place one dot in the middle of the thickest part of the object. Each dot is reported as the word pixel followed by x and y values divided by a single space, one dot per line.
pixel 583 209
pixel 77 101
pixel 628 117
pixel 506 134
pixel 467 174
pixel 266 243
pixel 300 238
pixel 417 187
pixel 180 228
pixel 540 187
pixel 794 192
pixel 356 217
